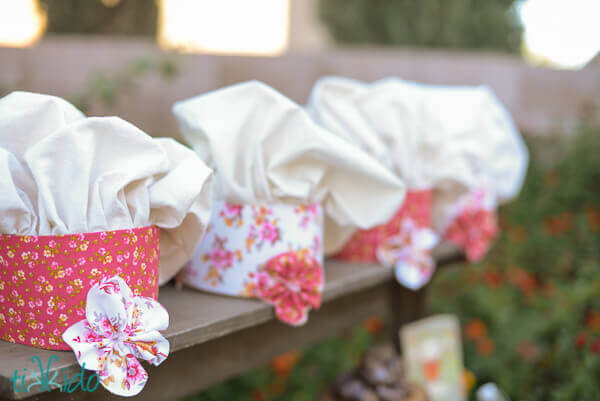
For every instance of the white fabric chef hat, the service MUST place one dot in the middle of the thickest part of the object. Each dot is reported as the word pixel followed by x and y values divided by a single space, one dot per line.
pixel 453 138
pixel 458 141
pixel 63 173
pixel 265 149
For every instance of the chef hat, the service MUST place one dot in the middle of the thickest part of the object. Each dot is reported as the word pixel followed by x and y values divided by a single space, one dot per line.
pixel 84 198
pixel 458 141
pixel 271 162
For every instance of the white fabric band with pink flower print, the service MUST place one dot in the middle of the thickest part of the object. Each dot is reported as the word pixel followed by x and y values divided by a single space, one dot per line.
pixel 119 329
pixel 270 252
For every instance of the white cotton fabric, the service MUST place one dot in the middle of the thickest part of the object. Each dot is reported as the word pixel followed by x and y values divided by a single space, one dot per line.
pixel 63 173
pixel 450 138
pixel 265 149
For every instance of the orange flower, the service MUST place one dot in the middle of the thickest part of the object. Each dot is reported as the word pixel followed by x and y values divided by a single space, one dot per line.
pixel 485 346
pixel 476 330
pixel 258 395
pixel 468 380
pixel 593 218
pixel 373 325
pixel 492 278
pixel 593 321
pixel 526 281
pixel 558 224
pixel 283 364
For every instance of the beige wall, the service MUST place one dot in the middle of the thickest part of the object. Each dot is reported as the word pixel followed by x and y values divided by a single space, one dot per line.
pixel 541 100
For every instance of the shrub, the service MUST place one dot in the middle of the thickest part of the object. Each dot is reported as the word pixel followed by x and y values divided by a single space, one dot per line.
pixel 531 310
pixel 468 24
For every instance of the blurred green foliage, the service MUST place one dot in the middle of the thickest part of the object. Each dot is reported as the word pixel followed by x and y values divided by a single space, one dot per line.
pixel 105 89
pixel 531 309
pixel 464 24
pixel 112 17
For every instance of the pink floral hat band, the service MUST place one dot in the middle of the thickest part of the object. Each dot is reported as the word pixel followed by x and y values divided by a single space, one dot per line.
pixel 405 242
pixel 272 252
pixel 44 280
pixel 473 225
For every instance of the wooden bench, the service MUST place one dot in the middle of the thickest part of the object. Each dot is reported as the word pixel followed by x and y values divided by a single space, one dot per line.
pixel 214 337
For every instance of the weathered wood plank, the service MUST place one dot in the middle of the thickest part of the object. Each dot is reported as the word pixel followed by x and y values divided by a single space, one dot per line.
pixel 224 336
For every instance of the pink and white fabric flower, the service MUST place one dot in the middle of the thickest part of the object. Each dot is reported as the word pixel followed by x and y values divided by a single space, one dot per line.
pixel 474 225
pixel 410 253
pixel 271 252
pixel 119 329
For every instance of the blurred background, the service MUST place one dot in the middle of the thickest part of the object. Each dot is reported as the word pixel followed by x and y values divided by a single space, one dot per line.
pixel 538 55
pixel 531 310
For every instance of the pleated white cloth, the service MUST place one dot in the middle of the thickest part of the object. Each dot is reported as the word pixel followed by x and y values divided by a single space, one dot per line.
pixel 454 139
pixel 63 173
pixel 265 149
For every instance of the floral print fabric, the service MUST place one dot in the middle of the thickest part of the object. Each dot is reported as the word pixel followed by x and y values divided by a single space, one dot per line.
pixel 474 226
pixel 44 279
pixel 404 243
pixel 272 252
pixel 119 328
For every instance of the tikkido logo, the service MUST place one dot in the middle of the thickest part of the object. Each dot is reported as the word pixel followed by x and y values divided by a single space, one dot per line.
pixel 44 382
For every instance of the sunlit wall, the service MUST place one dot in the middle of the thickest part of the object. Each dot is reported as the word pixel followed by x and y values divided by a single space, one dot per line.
pixel 22 22
pixel 257 27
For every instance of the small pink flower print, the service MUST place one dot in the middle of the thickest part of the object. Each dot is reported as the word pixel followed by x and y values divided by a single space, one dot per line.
pixel 102 236
pixel 65 287
pixel 231 214
pixel 292 282
pixel 221 258
pixel 102 251
pixel 269 233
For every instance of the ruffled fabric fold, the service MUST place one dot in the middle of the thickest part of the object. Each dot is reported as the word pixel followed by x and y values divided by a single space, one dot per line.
pixel 63 173
pixel 265 149
pixel 458 140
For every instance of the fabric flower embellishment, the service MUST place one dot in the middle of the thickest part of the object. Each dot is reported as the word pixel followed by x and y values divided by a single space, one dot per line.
pixel 119 329
pixel 475 226
pixel 292 282
pixel 409 252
